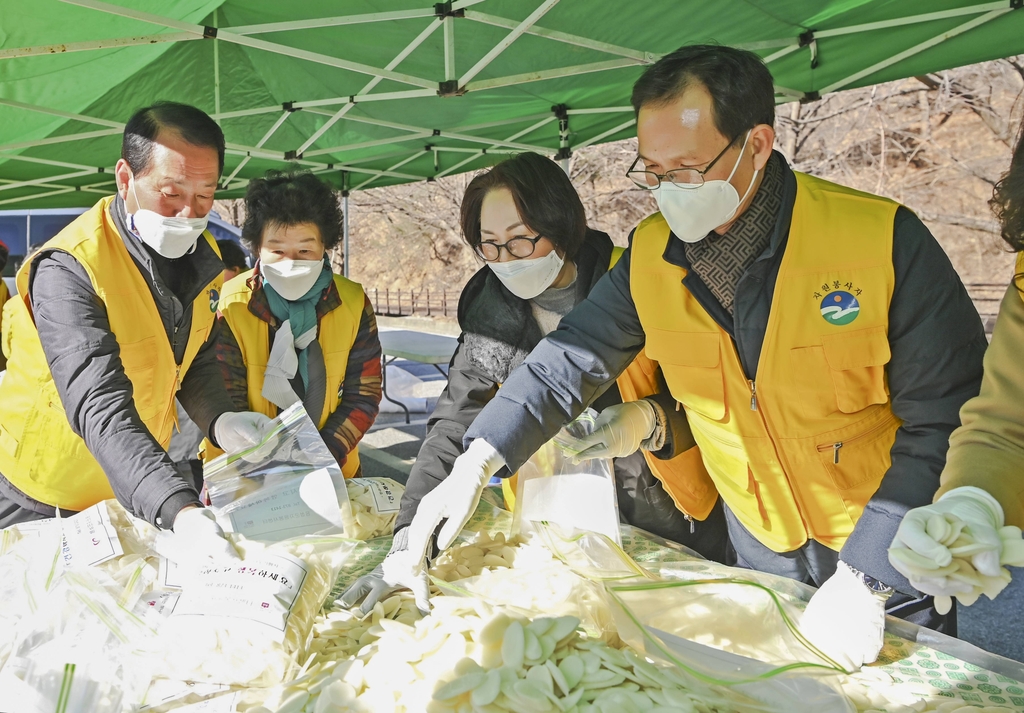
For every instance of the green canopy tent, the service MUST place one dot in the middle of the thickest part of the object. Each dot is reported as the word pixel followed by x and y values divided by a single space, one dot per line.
pixel 370 93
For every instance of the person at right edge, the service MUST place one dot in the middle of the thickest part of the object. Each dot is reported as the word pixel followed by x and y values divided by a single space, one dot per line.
pixel 817 337
pixel 982 490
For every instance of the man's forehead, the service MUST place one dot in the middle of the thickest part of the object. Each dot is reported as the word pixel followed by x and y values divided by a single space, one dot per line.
pixel 172 155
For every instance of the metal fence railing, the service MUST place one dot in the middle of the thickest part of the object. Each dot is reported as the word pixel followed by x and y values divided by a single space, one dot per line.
pixel 445 303
pixel 986 297
pixel 404 303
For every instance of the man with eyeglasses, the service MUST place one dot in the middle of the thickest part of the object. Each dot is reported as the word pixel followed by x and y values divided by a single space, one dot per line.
pixel 817 337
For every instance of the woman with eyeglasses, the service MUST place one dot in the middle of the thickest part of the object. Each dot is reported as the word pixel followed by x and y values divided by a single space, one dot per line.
pixel 524 219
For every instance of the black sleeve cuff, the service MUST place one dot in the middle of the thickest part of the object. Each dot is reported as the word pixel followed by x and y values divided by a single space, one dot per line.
pixel 173 505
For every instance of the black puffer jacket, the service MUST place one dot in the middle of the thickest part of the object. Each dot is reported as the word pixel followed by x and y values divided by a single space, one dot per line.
pixel 498 332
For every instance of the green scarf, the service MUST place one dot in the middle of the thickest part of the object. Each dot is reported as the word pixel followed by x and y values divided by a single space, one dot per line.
pixel 301 312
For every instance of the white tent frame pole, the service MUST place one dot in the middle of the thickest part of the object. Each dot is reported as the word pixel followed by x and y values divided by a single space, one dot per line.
pixel 62 114
pixel 331 21
pixel 259 144
pixel 916 49
pixel 344 229
pixel 245 41
pixel 447 134
pixel 408 159
pixel 544 74
pixel 507 142
pixel 38 196
pixel 216 68
pixel 455 149
pixel 47 179
pixel 784 52
pixel 113 43
pixel 600 110
pixel 511 37
pixel 46 162
pixel 368 144
pixel 60 139
pixel 914 19
pixel 603 135
pixel 409 49
pixel 449 48
pixel 563 37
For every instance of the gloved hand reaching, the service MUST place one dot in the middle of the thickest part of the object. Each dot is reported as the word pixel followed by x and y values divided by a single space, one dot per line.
pixel 845 619
pixel 454 500
pixel 957 546
pixel 196 537
pixel 236 431
pixel 399 570
pixel 618 431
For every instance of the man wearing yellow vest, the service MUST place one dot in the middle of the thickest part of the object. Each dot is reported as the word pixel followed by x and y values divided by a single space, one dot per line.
pixel 817 338
pixel 119 318
pixel 5 295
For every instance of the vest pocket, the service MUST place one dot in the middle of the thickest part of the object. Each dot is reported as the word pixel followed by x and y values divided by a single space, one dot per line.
pixel 691 364
pixel 857 362
pixel 857 461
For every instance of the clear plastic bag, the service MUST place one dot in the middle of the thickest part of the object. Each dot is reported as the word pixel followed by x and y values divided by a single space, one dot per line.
pixel 289 485
pixel 77 653
pixel 248 623
pixel 733 632
pixel 575 496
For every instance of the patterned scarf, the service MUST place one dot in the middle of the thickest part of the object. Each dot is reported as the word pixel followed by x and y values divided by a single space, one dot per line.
pixel 720 260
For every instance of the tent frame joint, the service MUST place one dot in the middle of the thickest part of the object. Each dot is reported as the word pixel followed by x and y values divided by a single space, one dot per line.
pixel 292 156
pixel 1016 4
pixel 807 39
pixel 444 9
pixel 290 107
pixel 209 33
pixel 450 88
pixel 809 97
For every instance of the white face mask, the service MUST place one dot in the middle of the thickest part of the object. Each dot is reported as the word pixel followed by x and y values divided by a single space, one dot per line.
pixel 169 237
pixel 292 279
pixel 528 278
pixel 692 213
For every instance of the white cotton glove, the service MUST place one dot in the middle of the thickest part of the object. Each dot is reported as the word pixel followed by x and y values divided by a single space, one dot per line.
pixel 237 431
pixel 399 570
pixel 956 547
pixel 845 619
pixel 618 432
pixel 454 499
pixel 196 537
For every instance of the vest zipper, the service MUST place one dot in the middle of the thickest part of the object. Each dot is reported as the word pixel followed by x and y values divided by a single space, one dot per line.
pixel 753 395
pixel 834 447
pixel 177 378
pixel 689 519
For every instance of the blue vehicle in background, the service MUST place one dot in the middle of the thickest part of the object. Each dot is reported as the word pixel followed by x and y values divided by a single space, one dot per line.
pixel 21 229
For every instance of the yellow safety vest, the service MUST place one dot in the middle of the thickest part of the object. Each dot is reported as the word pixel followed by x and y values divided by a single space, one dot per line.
pixel 337 333
pixel 39 453
pixel 684 477
pixel 6 315
pixel 797 452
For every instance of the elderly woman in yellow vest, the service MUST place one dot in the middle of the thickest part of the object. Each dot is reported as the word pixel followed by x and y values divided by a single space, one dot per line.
pixel 982 491
pixel 295 330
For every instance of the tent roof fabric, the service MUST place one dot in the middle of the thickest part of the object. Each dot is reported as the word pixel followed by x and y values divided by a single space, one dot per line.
pixel 370 93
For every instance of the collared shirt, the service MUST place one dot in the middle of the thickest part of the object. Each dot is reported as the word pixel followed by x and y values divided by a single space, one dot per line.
pixel 720 260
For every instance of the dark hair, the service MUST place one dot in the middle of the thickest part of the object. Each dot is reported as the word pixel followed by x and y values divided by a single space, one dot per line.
pixel 191 124
pixel 289 199
pixel 741 87
pixel 232 255
pixel 544 196
pixel 4 254
pixel 1008 198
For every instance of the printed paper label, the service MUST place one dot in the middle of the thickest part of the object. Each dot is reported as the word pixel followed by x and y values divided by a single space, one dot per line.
pixel 298 506
pixel 262 590
pixel 384 497
pixel 90 538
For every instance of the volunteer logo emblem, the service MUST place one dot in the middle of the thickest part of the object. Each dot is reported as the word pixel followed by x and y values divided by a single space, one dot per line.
pixel 839 307
pixel 214 300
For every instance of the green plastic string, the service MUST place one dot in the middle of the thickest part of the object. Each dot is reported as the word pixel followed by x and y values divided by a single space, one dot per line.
pixel 65 688
pixel 831 666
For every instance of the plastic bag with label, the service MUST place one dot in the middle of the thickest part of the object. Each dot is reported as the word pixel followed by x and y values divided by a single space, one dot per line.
pixel 551 488
pixel 371 507
pixel 289 485
pixel 246 623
